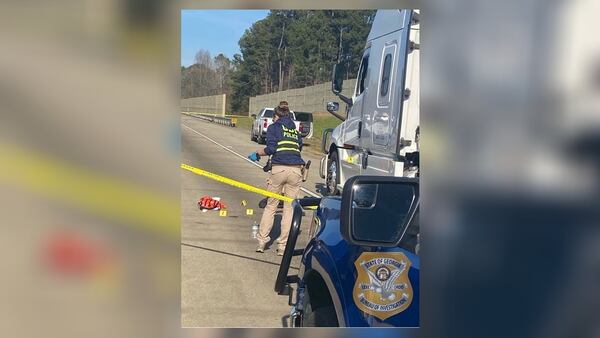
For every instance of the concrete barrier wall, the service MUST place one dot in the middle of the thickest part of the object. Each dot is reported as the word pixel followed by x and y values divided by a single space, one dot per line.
pixel 309 99
pixel 207 104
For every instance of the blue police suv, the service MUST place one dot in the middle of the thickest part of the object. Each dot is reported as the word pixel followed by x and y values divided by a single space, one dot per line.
pixel 361 265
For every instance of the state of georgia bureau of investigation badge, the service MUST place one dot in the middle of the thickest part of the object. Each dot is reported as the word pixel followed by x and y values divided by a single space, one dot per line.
pixel 382 287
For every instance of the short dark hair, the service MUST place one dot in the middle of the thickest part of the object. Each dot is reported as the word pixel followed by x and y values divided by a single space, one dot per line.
pixel 283 103
pixel 282 111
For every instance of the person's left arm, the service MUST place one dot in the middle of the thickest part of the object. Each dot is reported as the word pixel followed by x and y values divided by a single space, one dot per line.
pixel 271 142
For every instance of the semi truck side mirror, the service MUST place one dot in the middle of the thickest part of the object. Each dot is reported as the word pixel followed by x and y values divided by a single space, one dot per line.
pixel 376 210
pixel 337 81
pixel 333 107
pixel 337 78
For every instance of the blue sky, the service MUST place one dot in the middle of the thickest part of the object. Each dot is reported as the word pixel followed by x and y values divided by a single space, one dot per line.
pixel 217 31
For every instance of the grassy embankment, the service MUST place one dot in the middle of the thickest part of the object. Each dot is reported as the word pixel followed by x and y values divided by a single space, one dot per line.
pixel 321 121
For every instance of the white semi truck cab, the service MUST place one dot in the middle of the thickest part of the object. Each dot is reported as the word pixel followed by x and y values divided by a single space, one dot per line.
pixel 379 134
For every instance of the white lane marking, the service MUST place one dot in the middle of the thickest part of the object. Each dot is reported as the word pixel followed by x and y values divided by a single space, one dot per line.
pixel 243 157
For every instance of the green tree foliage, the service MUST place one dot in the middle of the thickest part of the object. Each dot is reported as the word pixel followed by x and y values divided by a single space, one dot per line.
pixel 287 49
pixel 244 83
pixel 292 49
pixel 208 76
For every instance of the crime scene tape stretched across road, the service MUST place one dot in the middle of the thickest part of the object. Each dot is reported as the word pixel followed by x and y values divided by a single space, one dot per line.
pixel 106 196
pixel 237 184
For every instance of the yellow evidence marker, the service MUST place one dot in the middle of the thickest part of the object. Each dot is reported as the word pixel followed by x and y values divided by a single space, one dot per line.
pixel 244 203
pixel 249 212
pixel 223 213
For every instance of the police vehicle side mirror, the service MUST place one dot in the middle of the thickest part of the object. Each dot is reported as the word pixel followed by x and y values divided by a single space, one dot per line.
pixel 333 107
pixel 337 78
pixel 376 210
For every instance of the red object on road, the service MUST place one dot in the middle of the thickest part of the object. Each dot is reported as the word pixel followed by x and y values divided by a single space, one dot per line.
pixel 209 203
pixel 74 254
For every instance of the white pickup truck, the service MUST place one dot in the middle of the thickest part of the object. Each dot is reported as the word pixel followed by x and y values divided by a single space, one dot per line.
pixel 264 119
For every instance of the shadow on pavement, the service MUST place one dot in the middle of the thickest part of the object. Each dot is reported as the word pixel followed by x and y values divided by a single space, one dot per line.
pixel 235 255
pixel 284 321
pixel 321 189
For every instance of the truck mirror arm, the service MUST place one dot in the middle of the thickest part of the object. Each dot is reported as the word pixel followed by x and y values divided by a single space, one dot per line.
pixel 347 101
pixel 343 118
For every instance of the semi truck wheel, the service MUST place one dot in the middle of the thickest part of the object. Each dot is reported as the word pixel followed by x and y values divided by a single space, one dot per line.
pixel 333 175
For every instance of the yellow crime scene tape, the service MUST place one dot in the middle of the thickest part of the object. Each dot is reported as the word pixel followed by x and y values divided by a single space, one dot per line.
pixel 105 195
pixel 238 184
pixel 93 191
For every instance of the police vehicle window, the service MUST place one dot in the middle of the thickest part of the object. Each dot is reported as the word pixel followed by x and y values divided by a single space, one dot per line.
pixel 364 70
pixel 378 215
pixel 268 113
pixel 385 76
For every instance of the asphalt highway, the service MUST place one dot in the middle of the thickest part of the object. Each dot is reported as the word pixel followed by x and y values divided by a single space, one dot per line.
pixel 224 282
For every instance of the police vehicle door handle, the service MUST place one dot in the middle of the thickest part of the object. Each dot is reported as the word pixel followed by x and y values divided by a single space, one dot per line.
pixel 359 128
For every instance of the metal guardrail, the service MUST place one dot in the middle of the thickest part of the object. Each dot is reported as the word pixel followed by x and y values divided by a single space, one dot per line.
pixel 226 121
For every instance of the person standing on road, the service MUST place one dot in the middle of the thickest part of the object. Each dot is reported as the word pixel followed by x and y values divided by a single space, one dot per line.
pixel 283 145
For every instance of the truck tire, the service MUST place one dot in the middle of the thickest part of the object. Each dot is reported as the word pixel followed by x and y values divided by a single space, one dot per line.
pixel 333 174
pixel 260 139
pixel 319 317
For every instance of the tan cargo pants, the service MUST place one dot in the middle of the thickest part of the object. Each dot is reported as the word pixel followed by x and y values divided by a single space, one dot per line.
pixel 285 179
